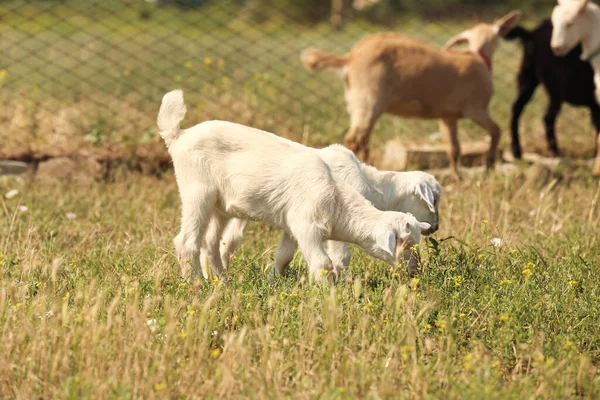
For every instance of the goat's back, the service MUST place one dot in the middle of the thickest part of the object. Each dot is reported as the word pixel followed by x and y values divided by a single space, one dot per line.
pixel 256 174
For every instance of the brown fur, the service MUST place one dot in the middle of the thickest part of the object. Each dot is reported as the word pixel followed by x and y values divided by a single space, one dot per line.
pixel 395 74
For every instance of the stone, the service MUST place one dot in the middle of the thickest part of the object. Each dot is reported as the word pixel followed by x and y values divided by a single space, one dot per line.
pixel 400 156
pixel 10 167
pixel 81 170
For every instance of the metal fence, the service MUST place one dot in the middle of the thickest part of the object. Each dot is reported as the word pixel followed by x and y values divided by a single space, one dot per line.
pixel 89 74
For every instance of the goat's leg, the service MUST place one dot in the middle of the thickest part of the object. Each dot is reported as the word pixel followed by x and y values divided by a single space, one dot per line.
pixel 550 121
pixel 311 243
pixel 596 169
pixel 232 237
pixel 339 253
pixel 595 114
pixel 449 131
pixel 197 207
pixel 285 253
pixel 210 254
pixel 527 86
pixel 483 119
pixel 362 120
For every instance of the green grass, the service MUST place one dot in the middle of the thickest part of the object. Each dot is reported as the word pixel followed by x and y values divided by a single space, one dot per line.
pixel 85 74
pixel 94 307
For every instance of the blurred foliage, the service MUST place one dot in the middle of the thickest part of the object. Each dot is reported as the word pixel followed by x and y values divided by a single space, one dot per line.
pixel 385 11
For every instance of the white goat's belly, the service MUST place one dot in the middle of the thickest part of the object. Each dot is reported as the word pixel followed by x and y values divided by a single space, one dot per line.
pixel 253 210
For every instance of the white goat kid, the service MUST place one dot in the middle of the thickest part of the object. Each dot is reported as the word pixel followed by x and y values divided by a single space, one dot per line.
pixel 413 192
pixel 575 22
pixel 225 170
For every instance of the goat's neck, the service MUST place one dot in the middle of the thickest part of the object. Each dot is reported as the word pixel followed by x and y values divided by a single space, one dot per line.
pixel 590 43
pixel 383 196
pixel 357 219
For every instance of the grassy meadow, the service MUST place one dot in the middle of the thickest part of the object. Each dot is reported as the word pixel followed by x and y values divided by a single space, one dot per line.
pixel 92 302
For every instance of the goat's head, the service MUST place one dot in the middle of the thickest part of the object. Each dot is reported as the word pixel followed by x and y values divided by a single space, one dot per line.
pixel 571 22
pixel 483 38
pixel 397 239
pixel 419 194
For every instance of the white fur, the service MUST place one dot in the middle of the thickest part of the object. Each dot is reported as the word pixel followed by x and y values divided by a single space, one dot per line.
pixel 575 22
pixel 225 170
pixel 578 21
pixel 414 192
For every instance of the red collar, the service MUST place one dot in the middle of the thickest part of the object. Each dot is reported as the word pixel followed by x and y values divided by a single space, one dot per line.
pixel 486 60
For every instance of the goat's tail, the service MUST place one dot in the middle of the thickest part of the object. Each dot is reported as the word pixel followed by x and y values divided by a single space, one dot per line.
pixel 318 60
pixel 171 113
pixel 518 32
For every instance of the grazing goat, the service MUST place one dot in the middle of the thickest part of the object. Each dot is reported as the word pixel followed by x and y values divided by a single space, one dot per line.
pixel 395 74
pixel 575 22
pixel 413 192
pixel 225 170
pixel 566 79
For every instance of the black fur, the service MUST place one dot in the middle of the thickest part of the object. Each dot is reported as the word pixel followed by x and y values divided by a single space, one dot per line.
pixel 566 79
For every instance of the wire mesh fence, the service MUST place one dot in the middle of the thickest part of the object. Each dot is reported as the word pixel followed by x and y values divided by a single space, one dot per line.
pixel 89 75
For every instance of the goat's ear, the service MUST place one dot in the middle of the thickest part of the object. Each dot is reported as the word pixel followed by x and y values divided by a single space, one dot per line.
pixel 424 226
pixel 506 23
pixel 461 38
pixel 386 241
pixel 583 6
pixel 427 195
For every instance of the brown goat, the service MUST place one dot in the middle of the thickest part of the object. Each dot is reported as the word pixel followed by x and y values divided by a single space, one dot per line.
pixel 396 74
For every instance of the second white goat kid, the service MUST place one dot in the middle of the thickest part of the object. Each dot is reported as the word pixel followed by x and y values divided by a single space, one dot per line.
pixel 226 170
pixel 414 192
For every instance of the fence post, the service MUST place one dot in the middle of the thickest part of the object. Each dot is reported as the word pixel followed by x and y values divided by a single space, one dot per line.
pixel 336 14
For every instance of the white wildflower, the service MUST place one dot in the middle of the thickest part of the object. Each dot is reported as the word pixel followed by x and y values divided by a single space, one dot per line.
pixel 497 242
pixel 152 324
pixel 11 193
pixel 71 215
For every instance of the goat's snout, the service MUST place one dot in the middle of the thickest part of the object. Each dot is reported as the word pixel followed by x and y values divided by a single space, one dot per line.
pixel 558 50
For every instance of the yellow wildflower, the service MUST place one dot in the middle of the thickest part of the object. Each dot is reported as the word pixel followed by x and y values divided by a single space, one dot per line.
pixel 505 282
pixel 467 361
pixel 215 353
pixel 208 60
pixel 458 280
pixel 572 284
pixel 414 283
pixel 441 325
pixel 527 272
pixel 504 317
pixel 569 345
pixel 160 386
